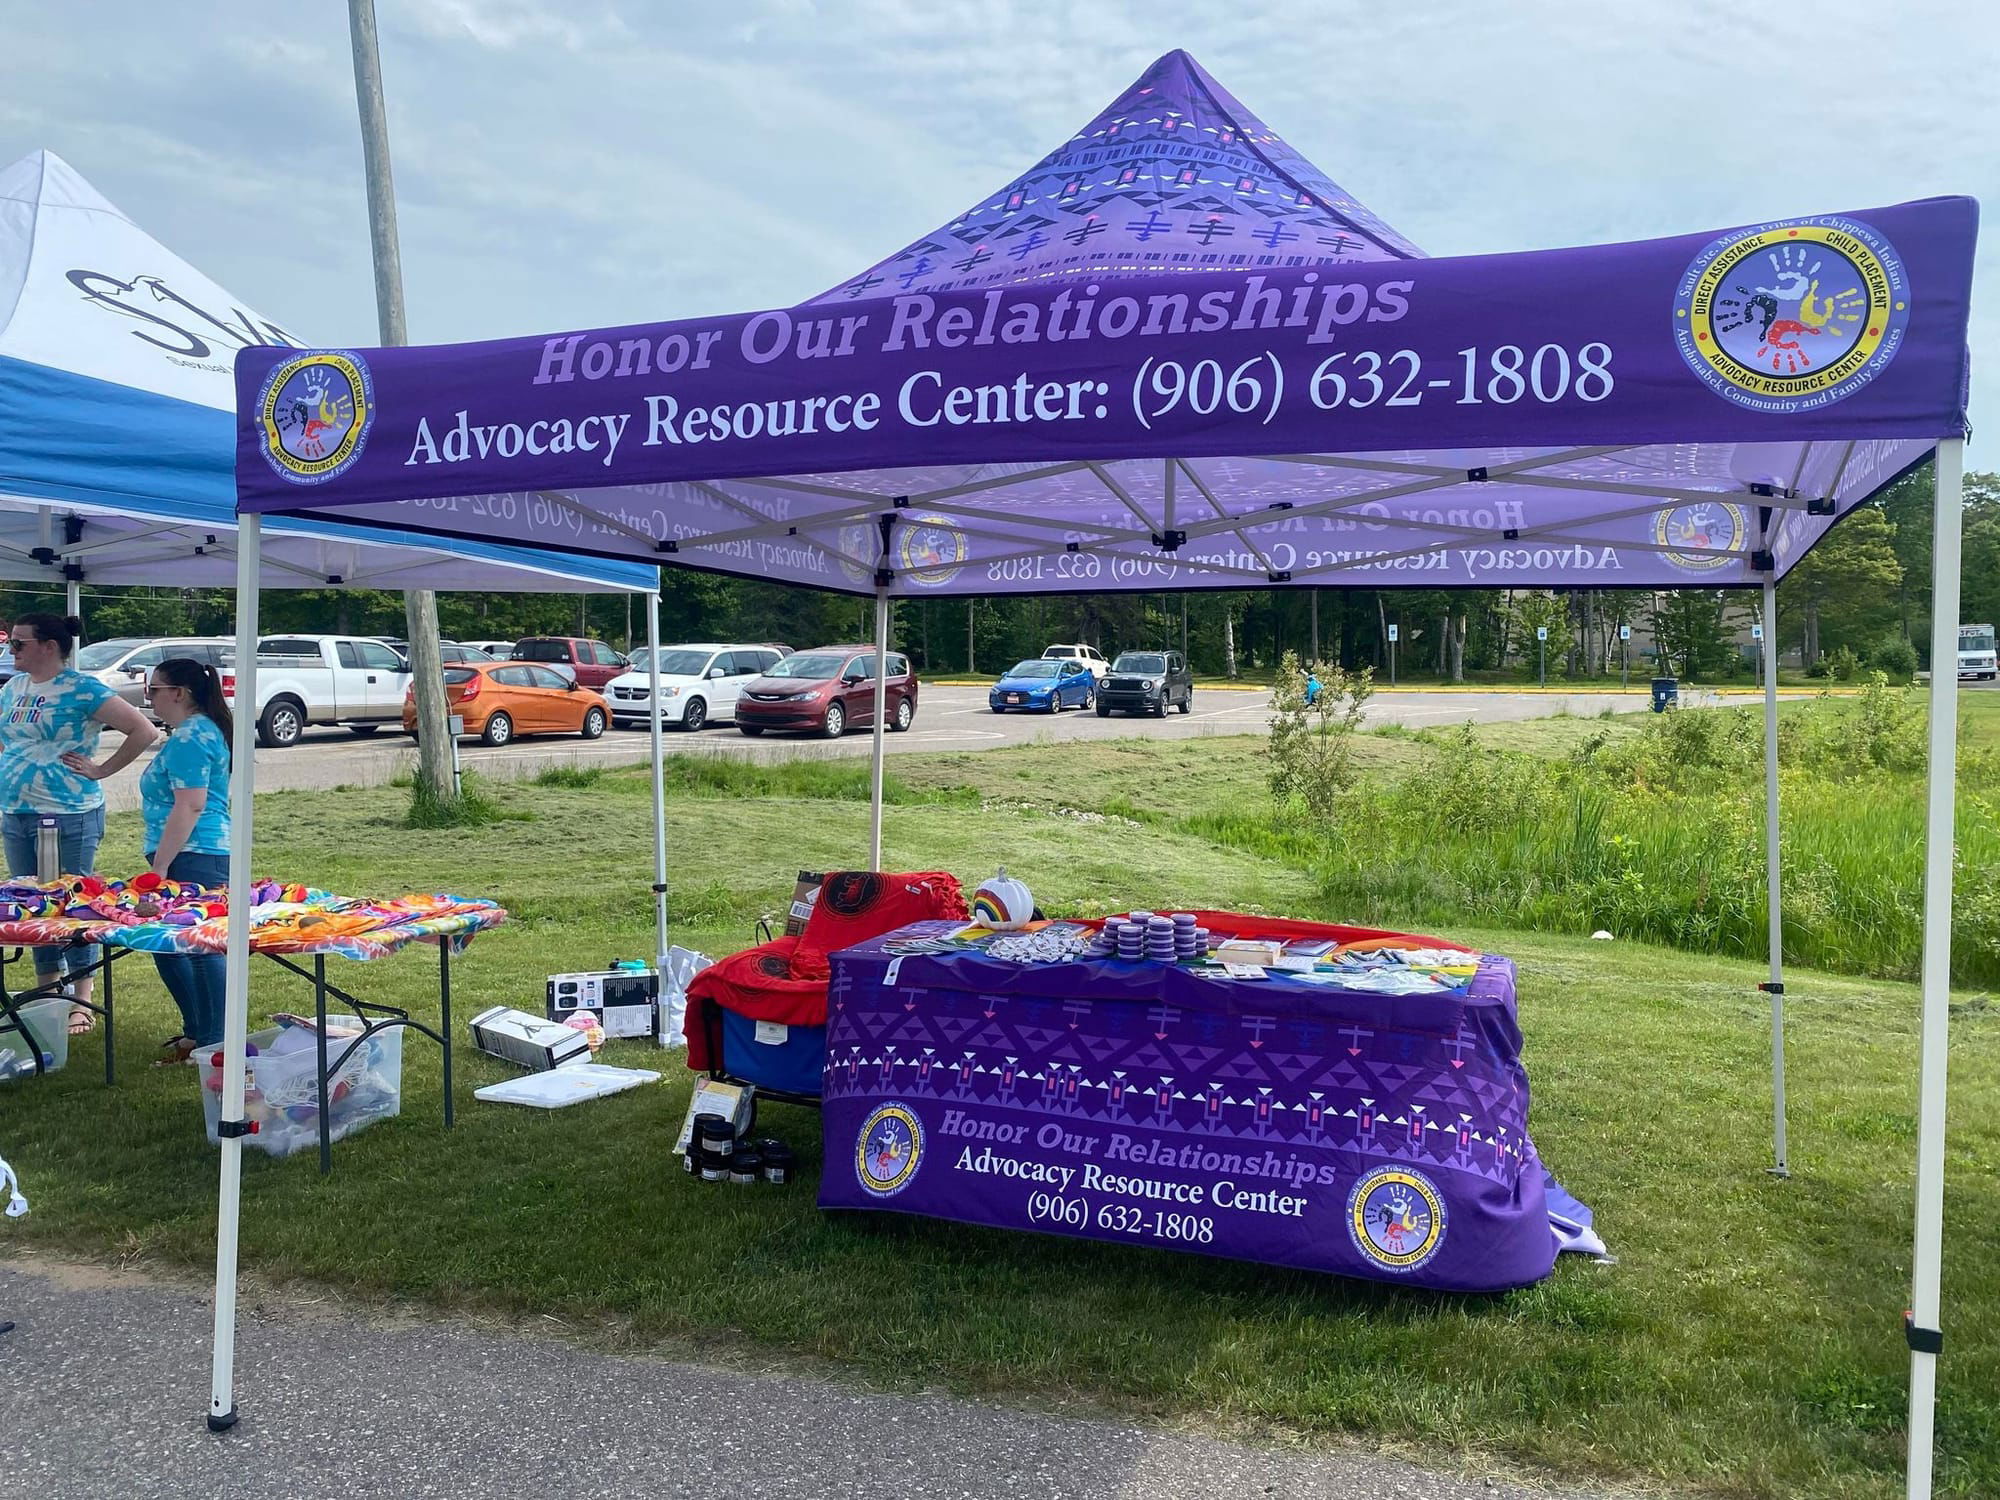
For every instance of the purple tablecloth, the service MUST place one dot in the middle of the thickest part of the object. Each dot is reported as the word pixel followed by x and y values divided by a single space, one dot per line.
pixel 1271 1120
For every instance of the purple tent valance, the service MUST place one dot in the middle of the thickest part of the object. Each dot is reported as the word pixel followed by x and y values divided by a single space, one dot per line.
pixel 1695 410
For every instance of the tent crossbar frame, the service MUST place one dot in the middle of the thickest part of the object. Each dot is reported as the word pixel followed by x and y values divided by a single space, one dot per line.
pixel 1221 510
pixel 1026 523
pixel 1125 498
pixel 182 533
pixel 299 570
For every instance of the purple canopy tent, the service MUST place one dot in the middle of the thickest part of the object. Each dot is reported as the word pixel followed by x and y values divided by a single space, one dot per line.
pixel 1174 356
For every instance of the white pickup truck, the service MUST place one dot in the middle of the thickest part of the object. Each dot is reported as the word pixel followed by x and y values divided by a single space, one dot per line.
pixel 348 680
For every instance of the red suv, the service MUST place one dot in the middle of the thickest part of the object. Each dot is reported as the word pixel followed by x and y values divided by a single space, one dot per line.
pixel 826 691
pixel 591 663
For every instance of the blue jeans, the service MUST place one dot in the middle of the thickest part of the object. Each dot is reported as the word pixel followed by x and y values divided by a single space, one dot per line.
pixel 80 833
pixel 198 983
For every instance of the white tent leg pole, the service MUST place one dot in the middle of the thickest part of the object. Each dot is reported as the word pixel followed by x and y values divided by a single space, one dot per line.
pixel 1922 1325
pixel 236 1009
pixel 659 785
pixel 881 713
pixel 73 597
pixel 1780 1166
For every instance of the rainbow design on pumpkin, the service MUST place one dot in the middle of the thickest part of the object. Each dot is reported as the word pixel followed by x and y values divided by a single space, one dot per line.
pixel 1002 903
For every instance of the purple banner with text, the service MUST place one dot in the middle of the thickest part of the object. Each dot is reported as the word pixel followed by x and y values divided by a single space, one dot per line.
pixel 1653 412
pixel 1372 1135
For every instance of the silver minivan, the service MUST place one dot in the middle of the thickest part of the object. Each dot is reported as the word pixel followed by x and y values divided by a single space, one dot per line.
pixel 125 664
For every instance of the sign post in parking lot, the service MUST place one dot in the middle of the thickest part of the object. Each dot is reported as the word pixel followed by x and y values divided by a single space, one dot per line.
pixel 456 725
pixel 1394 631
pixel 1542 655
pixel 1624 657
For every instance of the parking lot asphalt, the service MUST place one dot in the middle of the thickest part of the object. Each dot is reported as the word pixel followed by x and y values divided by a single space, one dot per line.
pixel 949 718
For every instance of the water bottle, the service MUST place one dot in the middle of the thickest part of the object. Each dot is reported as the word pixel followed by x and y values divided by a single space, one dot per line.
pixel 48 850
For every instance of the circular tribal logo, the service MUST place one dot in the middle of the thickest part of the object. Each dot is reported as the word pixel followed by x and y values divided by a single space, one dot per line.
pixel 1702 537
pixel 888 1149
pixel 316 410
pixel 1792 316
pixel 1396 1218
pixel 931 549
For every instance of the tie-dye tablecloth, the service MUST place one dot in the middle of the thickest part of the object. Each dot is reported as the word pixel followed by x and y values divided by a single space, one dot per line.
pixel 192 919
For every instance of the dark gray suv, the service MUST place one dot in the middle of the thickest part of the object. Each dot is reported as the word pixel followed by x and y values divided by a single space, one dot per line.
pixel 1147 682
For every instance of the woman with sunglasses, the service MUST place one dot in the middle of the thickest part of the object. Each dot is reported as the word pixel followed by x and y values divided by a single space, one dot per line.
pixel 50 718
pixel 184 795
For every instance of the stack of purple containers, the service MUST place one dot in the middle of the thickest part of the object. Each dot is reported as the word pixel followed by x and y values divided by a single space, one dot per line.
pixel 1145 935
pixel 1131 941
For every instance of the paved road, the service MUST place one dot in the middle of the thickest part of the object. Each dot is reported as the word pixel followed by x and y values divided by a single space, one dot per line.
pixel 948 719
pixel 104 1387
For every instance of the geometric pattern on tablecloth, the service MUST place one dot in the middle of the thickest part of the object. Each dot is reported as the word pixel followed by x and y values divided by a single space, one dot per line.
pixel 1011 1053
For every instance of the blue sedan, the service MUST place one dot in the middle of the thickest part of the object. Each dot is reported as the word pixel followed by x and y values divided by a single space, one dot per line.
pixel 1045 684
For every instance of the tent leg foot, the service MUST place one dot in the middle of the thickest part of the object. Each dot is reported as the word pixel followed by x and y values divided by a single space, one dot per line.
pixel 222 1422
pixel 1779 1171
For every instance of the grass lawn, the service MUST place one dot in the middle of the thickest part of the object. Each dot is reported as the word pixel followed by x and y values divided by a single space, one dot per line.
pixel 1747 1342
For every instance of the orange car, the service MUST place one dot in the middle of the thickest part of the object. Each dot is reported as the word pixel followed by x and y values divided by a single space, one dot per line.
pixel 500 699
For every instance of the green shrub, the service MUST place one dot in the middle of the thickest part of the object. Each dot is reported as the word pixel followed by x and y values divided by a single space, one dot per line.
pixel 1843 664
pixel 569 778
pixel 471 808
pixel 1312 745
pixel 1895 658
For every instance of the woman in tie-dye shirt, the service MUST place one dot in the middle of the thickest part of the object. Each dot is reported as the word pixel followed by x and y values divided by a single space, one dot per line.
pixel 47 710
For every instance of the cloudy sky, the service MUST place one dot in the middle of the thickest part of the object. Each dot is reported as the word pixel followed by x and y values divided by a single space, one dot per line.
pixel 571 163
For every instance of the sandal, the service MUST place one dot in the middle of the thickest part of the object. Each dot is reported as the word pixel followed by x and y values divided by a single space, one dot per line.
pixel 82 1020
pixel 177 1050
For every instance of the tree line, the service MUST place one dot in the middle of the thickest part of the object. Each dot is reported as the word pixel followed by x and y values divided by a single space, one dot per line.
pixel 1862 597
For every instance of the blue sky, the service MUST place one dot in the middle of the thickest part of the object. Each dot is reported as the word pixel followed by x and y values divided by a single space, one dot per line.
pixel 564 165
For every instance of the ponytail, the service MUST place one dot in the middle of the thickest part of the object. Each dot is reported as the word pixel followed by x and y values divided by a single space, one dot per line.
pixel 204 683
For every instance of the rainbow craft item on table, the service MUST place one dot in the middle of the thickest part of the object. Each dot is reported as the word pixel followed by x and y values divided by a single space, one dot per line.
pixel 153 915
pixel 1002 904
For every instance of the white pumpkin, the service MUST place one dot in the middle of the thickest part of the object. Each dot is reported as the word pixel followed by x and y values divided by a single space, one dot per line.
pixel 1002 903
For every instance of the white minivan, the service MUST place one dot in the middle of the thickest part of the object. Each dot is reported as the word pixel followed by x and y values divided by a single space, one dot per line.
pixel 698 683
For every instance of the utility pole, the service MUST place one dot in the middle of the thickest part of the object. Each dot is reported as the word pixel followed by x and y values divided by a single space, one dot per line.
pixel 419 605
pixel 971 656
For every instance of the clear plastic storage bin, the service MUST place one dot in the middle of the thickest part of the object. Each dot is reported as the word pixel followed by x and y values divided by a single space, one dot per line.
pixel 281 1086
pixel 48 1024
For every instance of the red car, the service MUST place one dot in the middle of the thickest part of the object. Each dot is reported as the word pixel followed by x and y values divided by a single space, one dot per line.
pixel 827 691
pixel 591 663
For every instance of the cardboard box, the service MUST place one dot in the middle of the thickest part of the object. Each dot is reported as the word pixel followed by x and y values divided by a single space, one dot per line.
pixel 625 1002
pixel 805 892
pixel 1247 951
pixel 527 1040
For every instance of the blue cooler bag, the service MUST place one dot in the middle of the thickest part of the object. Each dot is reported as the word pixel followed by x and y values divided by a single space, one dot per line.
pixel 772 1055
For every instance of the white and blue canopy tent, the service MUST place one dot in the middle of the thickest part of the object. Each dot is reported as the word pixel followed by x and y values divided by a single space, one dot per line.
pixel 116 439
pixel 117 444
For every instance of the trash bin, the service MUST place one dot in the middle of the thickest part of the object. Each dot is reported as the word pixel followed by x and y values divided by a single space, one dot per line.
pixel 1666 694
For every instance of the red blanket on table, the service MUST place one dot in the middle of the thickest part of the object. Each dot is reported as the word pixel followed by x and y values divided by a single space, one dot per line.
pixel 785 980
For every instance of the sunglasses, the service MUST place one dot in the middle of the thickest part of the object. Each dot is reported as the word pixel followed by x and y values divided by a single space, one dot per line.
pixel 17 643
